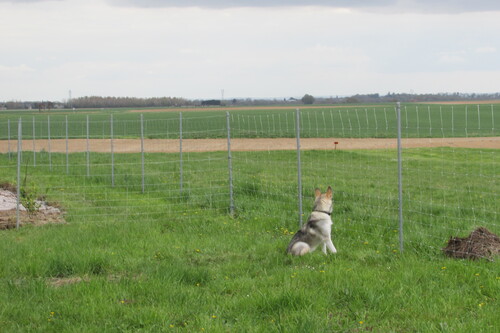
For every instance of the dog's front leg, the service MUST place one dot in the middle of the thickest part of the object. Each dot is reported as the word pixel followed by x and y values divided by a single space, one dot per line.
pixel 330 245
pixel 324 247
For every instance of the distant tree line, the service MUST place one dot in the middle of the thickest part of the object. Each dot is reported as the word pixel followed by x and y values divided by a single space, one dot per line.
pixel 211 102
pixel 22 105
pixel 157 102
pixel 120 102
pixel 410 98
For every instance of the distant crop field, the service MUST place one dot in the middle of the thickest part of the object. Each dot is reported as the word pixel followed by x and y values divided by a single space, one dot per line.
pixel 418 121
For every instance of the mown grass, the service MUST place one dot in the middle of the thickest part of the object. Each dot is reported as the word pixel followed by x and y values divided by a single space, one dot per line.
pixel 325 121
pixel 166 261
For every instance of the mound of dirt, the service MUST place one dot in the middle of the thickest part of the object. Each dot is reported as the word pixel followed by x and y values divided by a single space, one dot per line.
pixel 481 243
pixel 44 214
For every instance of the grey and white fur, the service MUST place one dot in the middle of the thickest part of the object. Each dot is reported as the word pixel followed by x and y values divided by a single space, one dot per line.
pixel 317 230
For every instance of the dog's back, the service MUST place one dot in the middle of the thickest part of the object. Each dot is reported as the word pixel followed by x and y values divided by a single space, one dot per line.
pixel 299 245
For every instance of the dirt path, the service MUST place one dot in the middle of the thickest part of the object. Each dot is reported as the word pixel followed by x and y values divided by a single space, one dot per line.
pixel 203 145
pixel 293 107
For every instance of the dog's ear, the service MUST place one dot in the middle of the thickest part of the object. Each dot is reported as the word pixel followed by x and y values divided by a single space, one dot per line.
pixel 317 192
pixel 329 192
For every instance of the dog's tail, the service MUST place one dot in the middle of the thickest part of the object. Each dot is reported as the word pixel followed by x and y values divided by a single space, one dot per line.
pixel 299 249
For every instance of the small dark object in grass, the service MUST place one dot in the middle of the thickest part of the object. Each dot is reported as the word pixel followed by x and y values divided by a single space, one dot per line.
pixel 8 187
pixel 481 243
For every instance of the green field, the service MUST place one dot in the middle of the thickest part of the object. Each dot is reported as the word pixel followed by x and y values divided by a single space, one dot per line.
pixel 166 261
pixel 325 121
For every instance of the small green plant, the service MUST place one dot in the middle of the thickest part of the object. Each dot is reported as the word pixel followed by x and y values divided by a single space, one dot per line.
pixel 28 194
pixel 28 199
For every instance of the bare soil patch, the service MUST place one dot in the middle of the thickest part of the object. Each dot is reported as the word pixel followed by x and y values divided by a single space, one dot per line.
pixel 293 107
pixel 8 218
pixel 264 144
pixel 44 213
pixel 59 282
pixel 481 243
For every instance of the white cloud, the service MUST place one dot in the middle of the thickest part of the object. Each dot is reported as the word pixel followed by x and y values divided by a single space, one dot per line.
pixel 399 6
pixel 486 49
pixel 425 6
pixel 6 70
pixel 452 58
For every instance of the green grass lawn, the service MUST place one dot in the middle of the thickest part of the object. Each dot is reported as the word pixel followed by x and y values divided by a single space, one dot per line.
pixel 166 261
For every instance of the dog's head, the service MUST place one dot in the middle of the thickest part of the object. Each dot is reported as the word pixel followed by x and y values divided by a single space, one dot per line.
pixel 323 201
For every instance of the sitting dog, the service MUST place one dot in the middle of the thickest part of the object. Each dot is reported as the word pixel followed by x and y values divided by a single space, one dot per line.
pixel 317 230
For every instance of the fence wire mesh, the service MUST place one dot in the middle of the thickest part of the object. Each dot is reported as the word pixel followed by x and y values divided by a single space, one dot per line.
pixel 109 167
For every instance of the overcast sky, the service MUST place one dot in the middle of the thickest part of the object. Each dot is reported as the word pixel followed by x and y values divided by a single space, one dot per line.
pixel 248 48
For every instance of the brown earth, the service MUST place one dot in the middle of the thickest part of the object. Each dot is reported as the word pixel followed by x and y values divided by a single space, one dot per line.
pixel 204 145
pixel 293 107
pixel 481 243
pixel 8 218
pixel 42 212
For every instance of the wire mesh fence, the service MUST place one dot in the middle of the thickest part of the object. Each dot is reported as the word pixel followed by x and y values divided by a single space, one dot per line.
pixel 266 164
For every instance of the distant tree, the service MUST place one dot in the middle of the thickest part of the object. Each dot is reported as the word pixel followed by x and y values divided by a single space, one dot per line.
pixel 44 106
pixel 351 100
pixel 307 99
pixel 211 102
pixel 118 102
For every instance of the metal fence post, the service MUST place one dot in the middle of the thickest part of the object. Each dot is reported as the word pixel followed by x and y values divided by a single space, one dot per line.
pixel 452 122
pixel 299 171
pixel 492 120
pixel 67 146
pixel 181 171
pixel 19 154
pixel 478 119
pixel 142 152
pixel 88 148
pixel 48 141
pixel 400 178
pixel 8 138
pixel 466 121
pixel 112 152
pixel 230 165
pixel 34 149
